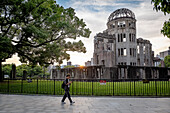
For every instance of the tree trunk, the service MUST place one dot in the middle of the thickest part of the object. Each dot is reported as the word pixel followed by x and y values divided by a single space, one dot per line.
pixel 13 71
pixel 1 75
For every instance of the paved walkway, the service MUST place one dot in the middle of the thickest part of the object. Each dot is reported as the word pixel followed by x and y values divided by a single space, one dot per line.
pixel 51 104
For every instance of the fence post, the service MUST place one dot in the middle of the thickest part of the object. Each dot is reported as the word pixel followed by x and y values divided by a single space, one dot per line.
pixel 130 86
pixel 92 87
pixel 156 87
pixel 37 86
pixel 54 85
pixel 21 85
pixel 113 88
pixel 8 85
pixel 72 88
pixel 134 88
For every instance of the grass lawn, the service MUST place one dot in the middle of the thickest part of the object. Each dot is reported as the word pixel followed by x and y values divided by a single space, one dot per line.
pixel 85 87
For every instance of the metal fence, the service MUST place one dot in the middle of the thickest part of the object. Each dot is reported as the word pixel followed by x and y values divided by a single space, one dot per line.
pixel 97 87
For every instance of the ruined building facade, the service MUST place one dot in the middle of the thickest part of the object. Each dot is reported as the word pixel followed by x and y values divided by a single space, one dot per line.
pixel 118 45
pixel 118 54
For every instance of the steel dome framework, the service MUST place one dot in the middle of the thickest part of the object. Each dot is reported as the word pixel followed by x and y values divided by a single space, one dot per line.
pixel 121 13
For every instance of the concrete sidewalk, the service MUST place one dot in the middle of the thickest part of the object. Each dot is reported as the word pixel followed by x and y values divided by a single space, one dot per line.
pixel 52 104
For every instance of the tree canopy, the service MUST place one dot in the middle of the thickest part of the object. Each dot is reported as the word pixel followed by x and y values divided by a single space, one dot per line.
pixel 167 61
pixel 68 66
pixel 32 71
pixel 6 68
pixel 164 6
pixel 37 31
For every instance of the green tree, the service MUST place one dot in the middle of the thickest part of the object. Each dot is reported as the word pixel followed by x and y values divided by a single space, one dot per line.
pixel 31 70
pixel 21 68
pixel 167 61
pixel 6 68
pixel 166 29
pixel 69 66
pixel 164 6
pixel 37 31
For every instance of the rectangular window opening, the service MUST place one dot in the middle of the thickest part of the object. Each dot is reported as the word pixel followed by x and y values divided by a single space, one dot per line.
pixel 121 51
pixel 139 62
pixel 118 38
pixel 124 52
pixel 130 51
pixel 138 49
pixel 97 59
pixel 113 26
pixel 103 62
pixel 143 49
pixel 130 37
pixel 121 35
pixel 124 37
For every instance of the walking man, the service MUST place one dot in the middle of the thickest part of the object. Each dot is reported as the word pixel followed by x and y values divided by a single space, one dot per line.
pixel 66 88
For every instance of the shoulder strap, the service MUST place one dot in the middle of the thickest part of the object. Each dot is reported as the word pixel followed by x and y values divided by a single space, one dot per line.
pixel 64 81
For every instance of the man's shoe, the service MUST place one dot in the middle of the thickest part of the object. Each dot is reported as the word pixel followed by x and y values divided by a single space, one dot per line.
pixel 72 102
pixel 63 103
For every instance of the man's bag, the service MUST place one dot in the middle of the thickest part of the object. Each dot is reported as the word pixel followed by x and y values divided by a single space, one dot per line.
pixel 63 85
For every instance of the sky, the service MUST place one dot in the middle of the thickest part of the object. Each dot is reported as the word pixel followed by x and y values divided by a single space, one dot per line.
pixel 95 14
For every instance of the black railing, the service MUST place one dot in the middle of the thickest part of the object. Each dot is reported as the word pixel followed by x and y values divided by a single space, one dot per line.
pixel 105 87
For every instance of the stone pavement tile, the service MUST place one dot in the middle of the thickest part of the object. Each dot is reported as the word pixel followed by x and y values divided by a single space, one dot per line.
pixel 48 111
pixel 3 111
pixel 163 111
pixel 17 111
pixel 105 111
pixel 126 111
pixel 29 112
pixel 52 104
pixel 86 111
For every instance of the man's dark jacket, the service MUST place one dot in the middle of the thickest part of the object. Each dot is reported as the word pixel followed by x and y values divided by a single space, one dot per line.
pixel 66 88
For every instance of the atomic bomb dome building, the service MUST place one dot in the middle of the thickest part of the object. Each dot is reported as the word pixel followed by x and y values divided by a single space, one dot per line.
pixel 118 45
pixel 118 54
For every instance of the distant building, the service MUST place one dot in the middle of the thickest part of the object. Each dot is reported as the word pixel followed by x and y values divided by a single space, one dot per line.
pixel 157 61
pixel 50 69
pixel 92 62
pixel 62 66
pixel 164 54
pixel 88 63
pixel 76 65
pixel 69 63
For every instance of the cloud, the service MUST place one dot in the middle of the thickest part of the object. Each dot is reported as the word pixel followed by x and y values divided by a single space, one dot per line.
pixel 103 5
pixel 14 59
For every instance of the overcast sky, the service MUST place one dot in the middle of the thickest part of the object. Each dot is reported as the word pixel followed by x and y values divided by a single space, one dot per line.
pixel 95 14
